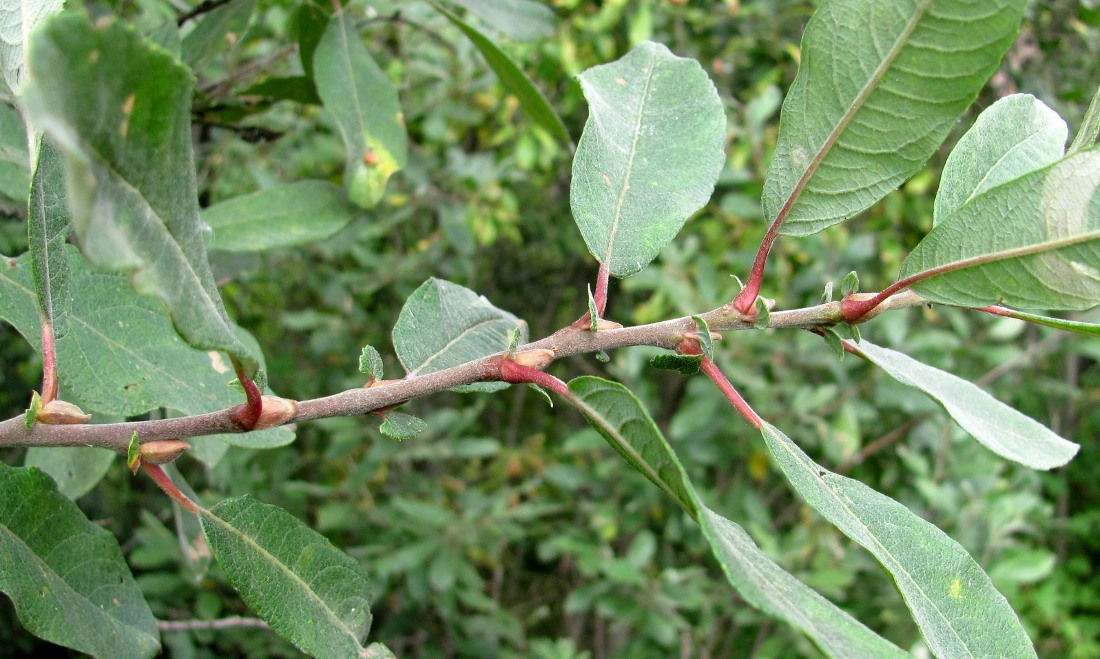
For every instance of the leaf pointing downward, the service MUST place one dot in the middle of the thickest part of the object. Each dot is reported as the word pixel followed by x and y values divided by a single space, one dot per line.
pixel 132 188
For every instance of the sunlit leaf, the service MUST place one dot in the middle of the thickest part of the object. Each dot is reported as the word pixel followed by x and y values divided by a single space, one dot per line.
pixel 65 575
pixel 366 109
pixel 879 87
pixel 649 156
pixel 1016 135
pixel 513 78
pixel 620 418
pixel 997 426
pixel 311 593
pixel 131 175
pixel 444 325
pixel 958 610
pixel 1031 243
pixel 284 216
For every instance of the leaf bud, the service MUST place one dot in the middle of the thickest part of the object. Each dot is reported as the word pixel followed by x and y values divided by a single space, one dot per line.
pixel 58 412
pixel 539 358
pixel 276 411
pixel 163 451
pixel 605 324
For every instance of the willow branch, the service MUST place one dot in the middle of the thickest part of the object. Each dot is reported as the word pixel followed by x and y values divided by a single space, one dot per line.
pixel 355 402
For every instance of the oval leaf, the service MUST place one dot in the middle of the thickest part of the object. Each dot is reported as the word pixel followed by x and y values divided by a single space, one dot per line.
pixel 649 156
pixel 879 87
pixel 996 426
pixel 311 593
pixel 522 20
pixel 284 216
pixel 65 575
pixel 1015 136
pixel 532 101
pixel 75 469
pixel 131 175
pixel 444 325
pixel 216 29
pixel 620 418
pixel 364 104
pixel 19 19
pixel 958 610
pixel 1031 243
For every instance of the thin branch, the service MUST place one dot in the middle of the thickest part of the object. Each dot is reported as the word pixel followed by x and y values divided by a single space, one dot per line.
pixel 203 625
pixel 199 10
pixel 566 342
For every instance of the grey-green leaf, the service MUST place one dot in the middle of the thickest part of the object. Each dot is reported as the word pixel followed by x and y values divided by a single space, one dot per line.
pixel 15 163
pixel 17 21
pixel 48 228
pixel 216 30
pixel 444 325
pixel 1090 127
pixel 402 426
pixel 954 603
pixel 522 20
pixel 532 101
pixel 1076 326
pixel 996 426
pixel 370 362
pixel 649 156
pixel 880 85
pixel 284 216
pixel 1015 136
pixel 75 469
pixel 1031 243
pixel 618 415
pixel 682 364
pixel 65 575
pixel 131 174
pixel 310 592
pixel 366 109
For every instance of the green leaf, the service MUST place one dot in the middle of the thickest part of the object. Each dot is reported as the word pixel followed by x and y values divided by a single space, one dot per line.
pixel 532 101
pixel 402 426
pixel 15 175
pixel 366 109
pixel 850 284
pixel 880 86
pixel 958 610
pixel 48 228
pixel 444 325
pixel 131 176
pixel 19 20
pixel 311 593
pixel 299 89
pixel 618 415
pixel 649 155
pixel 1031 243
pixel 370 362
pixel 620 418
pixel 682 364
pixel 702 331
pixel 542 392
pixel 522 20
pixel 121 355
pixel 770 588
pixel 593 312
pixel 1016 135
pixel 1079 327
pixel 763 314
pixel 217 29
pixel 133 453
pixel 30 417
pixel 379 651
pixel 284 216
pixel 1090 127
pixel 75 469
pixel 65 575
pixel 260 381
pixel 996 426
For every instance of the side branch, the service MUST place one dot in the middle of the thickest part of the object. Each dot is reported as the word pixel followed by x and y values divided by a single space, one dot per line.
pixel 565 343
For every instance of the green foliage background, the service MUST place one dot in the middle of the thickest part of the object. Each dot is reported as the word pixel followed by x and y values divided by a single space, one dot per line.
pixel 512 529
